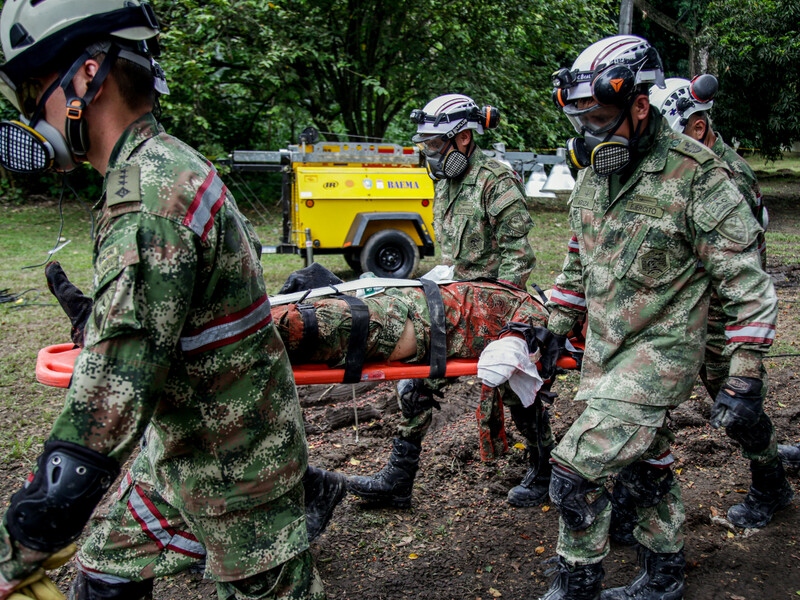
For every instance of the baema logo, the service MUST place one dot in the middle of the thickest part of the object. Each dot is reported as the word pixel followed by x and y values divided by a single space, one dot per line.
pixel 330 184
pixel 402 185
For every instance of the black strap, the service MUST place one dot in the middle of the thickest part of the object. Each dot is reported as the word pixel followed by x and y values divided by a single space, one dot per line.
pixel 308 314
pixel 438 351
pixel 540 292
pixel 357 348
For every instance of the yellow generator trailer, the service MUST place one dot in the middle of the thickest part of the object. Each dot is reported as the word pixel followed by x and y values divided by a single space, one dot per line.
pixel 371 202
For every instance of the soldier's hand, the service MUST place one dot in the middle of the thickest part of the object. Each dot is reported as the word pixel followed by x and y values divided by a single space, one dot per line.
pixel 77 306
pixel 738 403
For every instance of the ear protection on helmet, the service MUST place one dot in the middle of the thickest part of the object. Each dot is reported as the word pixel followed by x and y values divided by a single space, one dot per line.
pixel 703 88
pixel 613 85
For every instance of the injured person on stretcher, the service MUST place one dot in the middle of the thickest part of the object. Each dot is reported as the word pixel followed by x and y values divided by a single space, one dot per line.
pixel 399 322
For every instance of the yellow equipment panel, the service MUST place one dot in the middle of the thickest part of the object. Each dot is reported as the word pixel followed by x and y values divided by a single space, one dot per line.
pixel 326 198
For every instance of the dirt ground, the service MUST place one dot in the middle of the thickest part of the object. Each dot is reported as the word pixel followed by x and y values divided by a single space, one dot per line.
pixel 461 540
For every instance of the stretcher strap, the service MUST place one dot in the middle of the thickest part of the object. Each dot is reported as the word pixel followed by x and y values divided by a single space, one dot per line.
pixel 357 346
pixel 308 314
pixel 438 350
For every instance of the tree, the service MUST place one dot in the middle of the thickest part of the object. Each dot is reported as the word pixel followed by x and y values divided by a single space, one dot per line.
pixel 752 47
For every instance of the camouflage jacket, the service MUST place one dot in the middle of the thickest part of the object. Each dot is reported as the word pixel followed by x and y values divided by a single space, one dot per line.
pixel 635 267
pixel 180 340
pixel 482 223
pixel 747 184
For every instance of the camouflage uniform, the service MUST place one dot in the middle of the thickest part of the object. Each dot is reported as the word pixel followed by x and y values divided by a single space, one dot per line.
pixel 482 223
pixel 716 366
pixel 181 347
pixel 634 269
pixel 474 313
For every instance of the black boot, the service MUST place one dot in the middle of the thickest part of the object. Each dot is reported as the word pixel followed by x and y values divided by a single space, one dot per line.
pixel 661 578
pixel 769 492
pixel 579 582
pixel 623 516
pixel 535 486
pixel 790 456
pixel 392 484
pixel 323 490
pixel 93 588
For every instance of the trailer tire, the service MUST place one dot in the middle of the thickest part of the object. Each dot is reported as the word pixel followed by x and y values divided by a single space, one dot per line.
pixel 353 260
pixel 390 253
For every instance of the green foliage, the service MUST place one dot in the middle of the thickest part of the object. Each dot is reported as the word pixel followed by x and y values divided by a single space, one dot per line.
pixel 251 74
pixel 758 54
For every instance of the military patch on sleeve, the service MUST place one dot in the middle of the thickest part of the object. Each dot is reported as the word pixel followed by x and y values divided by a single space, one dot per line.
pixel 645 205
pixel 108 261
pixel 700 152
pixel 122 186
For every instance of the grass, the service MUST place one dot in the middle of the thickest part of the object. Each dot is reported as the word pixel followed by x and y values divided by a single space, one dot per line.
pixel 790 162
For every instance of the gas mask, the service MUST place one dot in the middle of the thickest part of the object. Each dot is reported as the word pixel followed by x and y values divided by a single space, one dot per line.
pixel 31 144
pixel 599 148
pixel 26 149
pixel 442 159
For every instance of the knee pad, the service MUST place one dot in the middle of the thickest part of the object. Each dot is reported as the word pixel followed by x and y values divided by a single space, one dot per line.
pixel 645 483
pixel 94 588
pixel 755 438
pixel 578 500
pixel 51 510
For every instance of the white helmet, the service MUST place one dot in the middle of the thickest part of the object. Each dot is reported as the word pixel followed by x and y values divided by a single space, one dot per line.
pixel 681 98
pixel 609 71
pixel 451 113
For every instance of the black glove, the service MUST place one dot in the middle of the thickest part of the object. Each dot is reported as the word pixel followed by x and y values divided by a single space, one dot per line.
pixel 77 306
pixel 308 278
pixel 416 397
pixel 738 403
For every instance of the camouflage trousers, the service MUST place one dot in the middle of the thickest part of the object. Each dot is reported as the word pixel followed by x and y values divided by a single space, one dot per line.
pixel 608 436
pixel 257 553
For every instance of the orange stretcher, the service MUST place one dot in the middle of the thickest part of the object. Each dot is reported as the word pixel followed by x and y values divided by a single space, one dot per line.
pixel 54 368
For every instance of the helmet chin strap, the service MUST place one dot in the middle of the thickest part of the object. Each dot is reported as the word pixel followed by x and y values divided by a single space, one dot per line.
pixel 75 127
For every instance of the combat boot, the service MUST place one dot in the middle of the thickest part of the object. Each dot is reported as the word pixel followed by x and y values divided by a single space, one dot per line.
pixel 769 492
pixel 623 516
pixel 535 486
pixel 661 578
pixel 95 588
pixel 578 582
pixel 392 484
pixel 790 456
pixel 323 490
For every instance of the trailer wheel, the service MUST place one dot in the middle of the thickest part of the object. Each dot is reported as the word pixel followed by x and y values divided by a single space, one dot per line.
pixel 353 260
pixel 390 253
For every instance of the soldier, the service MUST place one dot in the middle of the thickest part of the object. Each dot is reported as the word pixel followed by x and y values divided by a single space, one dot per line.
pixel 685 105
pixel 651 207
pixel 482 224
pixel 180 350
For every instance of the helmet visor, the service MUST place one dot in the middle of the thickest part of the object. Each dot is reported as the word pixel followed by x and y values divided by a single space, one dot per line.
pixel 431 145
pixel 595 119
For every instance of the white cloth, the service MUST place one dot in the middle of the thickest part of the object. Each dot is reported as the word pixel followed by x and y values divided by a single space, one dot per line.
pixel 509 359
